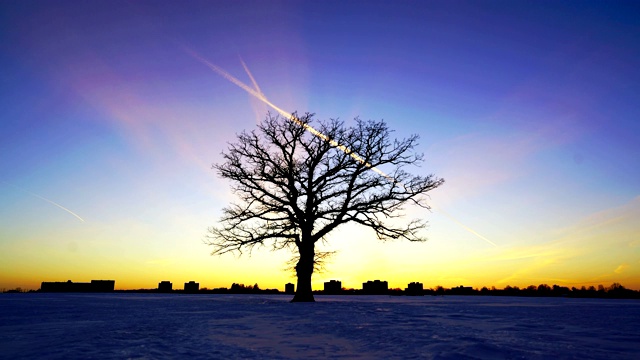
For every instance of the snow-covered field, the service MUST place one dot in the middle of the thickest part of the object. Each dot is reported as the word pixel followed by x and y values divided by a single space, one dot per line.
pixel 128 325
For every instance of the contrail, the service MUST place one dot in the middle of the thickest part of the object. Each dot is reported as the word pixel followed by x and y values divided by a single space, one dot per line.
pixel 258 94
pixel 253 80
pixel 47 200
pixel 58 205
pixel 461 224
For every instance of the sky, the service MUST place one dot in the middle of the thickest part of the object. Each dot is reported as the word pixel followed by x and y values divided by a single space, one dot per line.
pixel 110 121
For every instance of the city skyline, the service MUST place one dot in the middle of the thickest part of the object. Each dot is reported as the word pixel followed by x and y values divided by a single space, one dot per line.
pixel 330 287
pixel 529 112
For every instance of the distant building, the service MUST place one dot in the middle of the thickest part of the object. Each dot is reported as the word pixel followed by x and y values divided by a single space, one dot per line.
pixel 461 290
pixel 332 287
pixel 103 285
pixel 191 287
pixel 375 287
pixel 70 286
pixel 289 288
pixel 165 286
pixel 414 288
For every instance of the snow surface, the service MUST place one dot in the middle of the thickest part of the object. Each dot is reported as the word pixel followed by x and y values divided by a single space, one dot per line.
pixel 130 325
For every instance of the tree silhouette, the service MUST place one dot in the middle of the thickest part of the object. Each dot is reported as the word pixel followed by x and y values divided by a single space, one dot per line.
pixel 298 179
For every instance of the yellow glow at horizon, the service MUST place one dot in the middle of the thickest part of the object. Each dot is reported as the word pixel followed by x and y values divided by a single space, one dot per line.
pixel 360 258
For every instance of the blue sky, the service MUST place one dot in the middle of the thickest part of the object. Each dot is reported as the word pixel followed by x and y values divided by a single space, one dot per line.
pixel 529 110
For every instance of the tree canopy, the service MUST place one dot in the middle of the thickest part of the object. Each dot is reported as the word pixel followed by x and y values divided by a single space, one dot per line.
pixel 298 179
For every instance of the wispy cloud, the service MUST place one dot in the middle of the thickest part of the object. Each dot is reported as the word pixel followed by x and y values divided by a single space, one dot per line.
pixel 593 249
pixel 622 268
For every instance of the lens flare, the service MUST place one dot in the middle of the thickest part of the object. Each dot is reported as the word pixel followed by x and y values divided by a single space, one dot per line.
pixel 258 94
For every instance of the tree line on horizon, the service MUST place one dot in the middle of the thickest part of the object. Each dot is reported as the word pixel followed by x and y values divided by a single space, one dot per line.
pixel 614 291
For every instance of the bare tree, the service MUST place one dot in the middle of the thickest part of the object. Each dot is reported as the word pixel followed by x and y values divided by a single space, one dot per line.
pixel 298 179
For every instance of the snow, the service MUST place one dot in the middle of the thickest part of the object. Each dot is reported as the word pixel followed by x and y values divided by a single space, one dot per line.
pixel 133 325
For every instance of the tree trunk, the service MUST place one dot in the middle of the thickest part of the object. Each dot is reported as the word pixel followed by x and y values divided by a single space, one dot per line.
pixel 304 270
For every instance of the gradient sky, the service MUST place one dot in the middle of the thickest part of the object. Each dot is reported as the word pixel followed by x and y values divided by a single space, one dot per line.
pixel 529 110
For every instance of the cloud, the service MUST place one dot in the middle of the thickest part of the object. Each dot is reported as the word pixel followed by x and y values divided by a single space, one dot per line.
pixel 620 269
pixel 578 254
pixel 619 223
